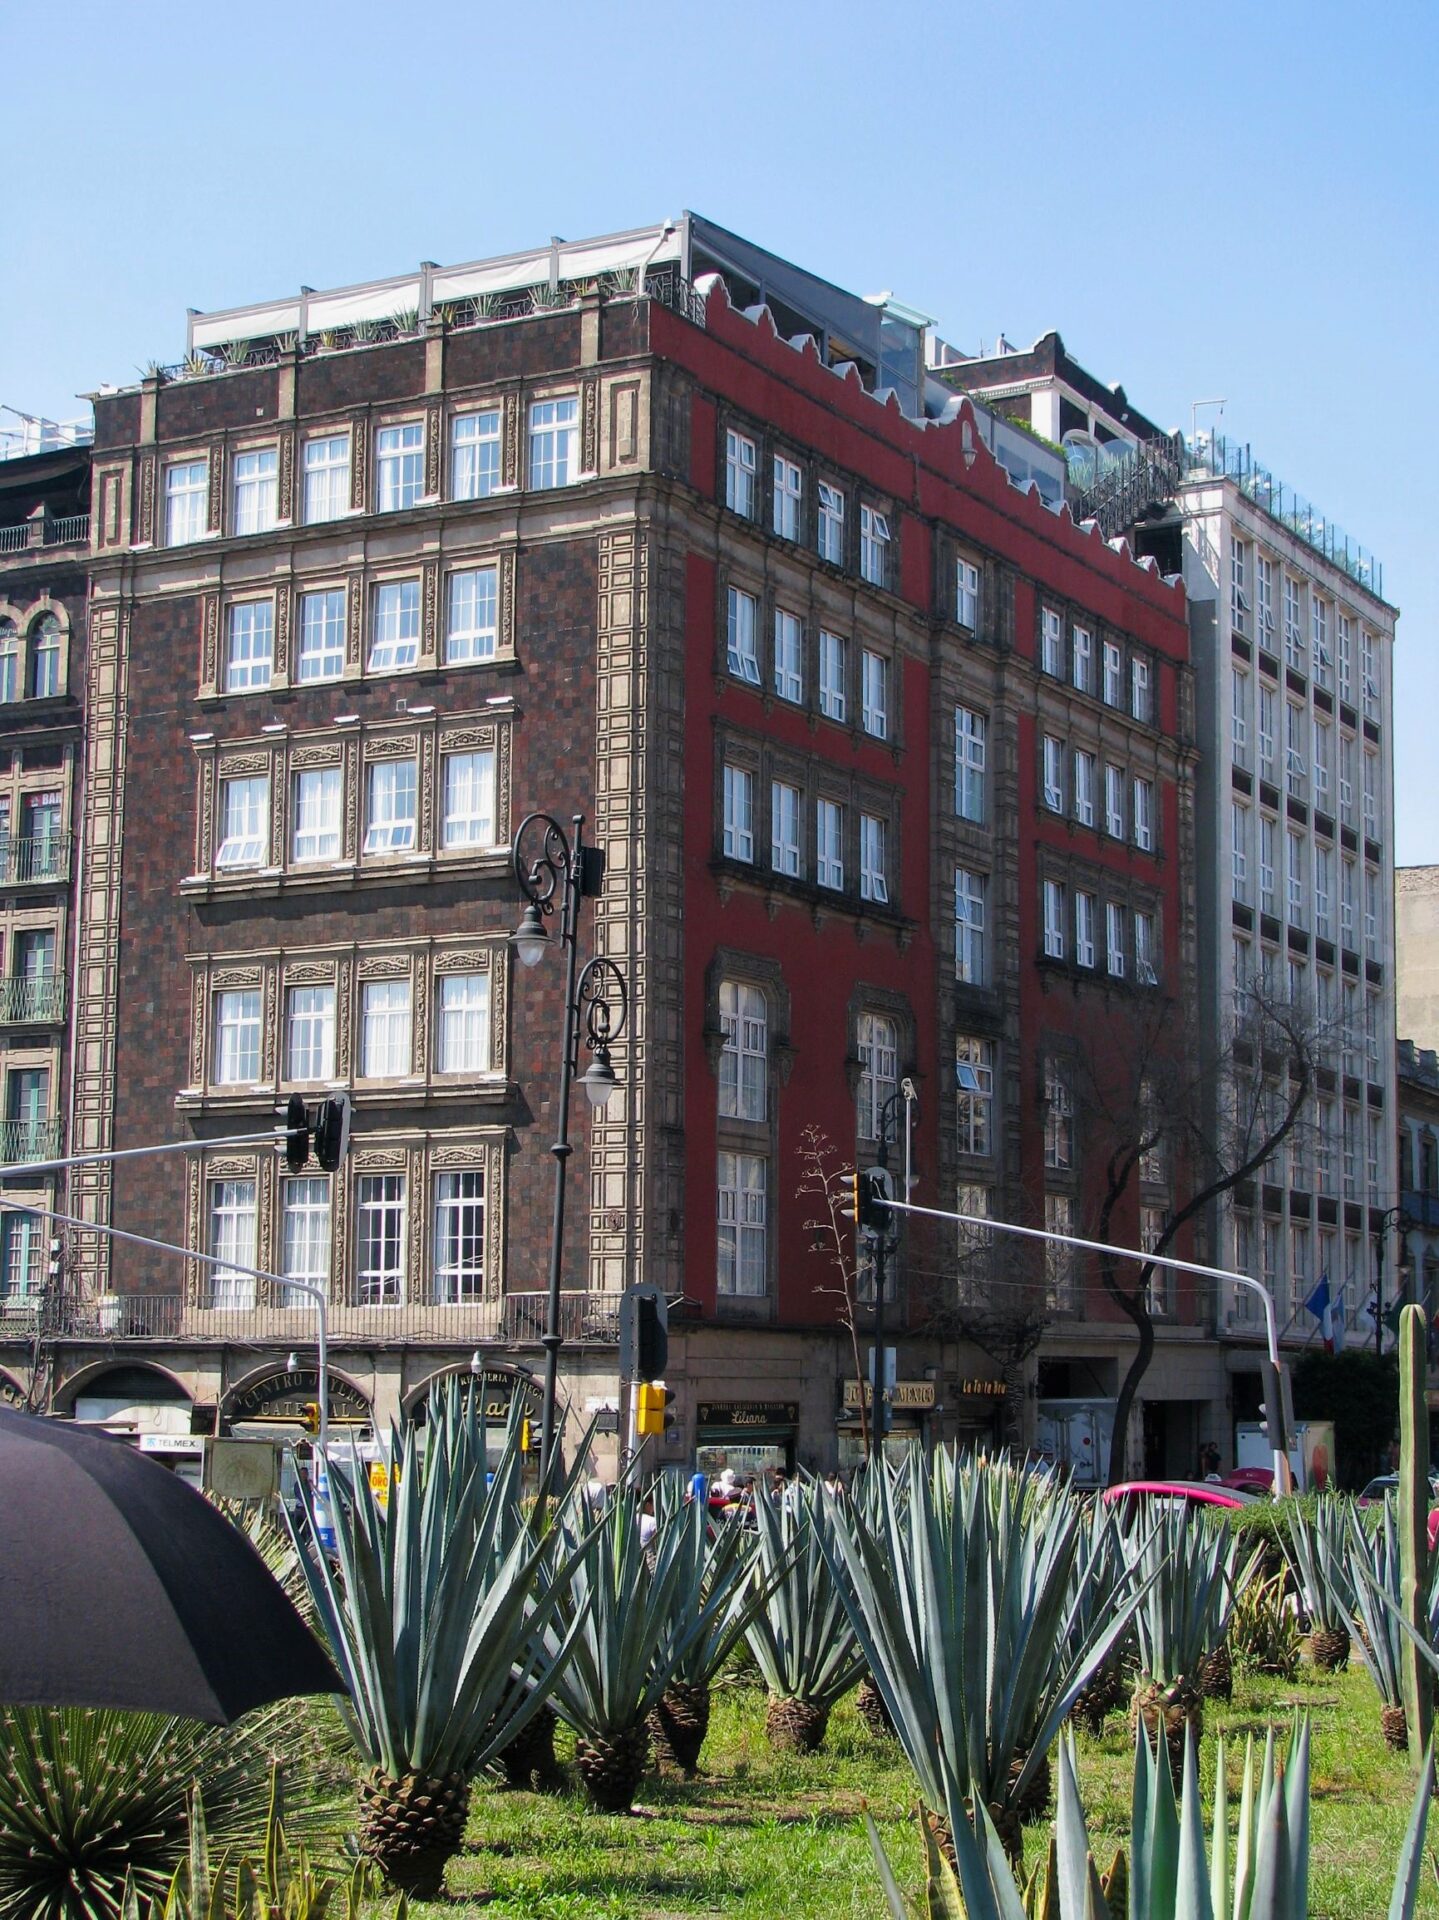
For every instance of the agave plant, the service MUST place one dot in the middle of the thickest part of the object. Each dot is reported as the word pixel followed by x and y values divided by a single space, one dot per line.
pixel 1100 1573
pixel 1166 1875
pixel 1374 1616
pixel 960 1598
pixel 1318 1557
pixel 439 1620
pixel 89 1796
pixel 1190 1572
pixel 624 1635
pixel 1264 1630
pixel 801 1638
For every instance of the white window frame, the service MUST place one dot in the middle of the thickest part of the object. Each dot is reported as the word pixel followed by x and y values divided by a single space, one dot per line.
pixel 1141 691
pixel 1112 681
pixel 380 1239
pixel 829 536
pixel 877 1045
pixel 243 818
pixel 738 839
pixel 788 656
pixel 320 647
pixel 310 1034
pixel 788 497
pixel 1114 800
pixel 744 1051
pixel 472 615
pixel 1053 773
pixel 874 541
pixel 1082 659
pixel 395 626
pixel 873 859
pixel 1239 851
pixel 1115 954
pixel 459 1242
pixel 1142 807
pixel 255 490
pixel 399 466
pixel 232 1231
pixel 742 635
pixel 468 790
pixel 971 941
pixel 187 502
pixel 786 854
pixel 238 1056
pixel 325 487
pixel 1085 773
pixel 462 1020
pixel 742 1233
pixel 1051 643
pixel 974 1085
pixel 739 481
pixel 971 731
pixel 476 454
pixel 1239 715
pixel 249 645
pixel 966 594
pixel 389 826
pixel 829 844
pixel 554 442
pixel 1146 948
pixel 874 693
pixel 1054 915
pixel 833 673
pixel 1085 907
pixel 386 1029
pixel 1058 1118
pixel 304 1236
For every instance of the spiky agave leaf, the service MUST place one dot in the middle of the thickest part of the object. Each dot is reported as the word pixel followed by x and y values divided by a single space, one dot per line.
pixel 801 1637
pixel 1192 1574
pixel 1317 1550
pixel 1372 1565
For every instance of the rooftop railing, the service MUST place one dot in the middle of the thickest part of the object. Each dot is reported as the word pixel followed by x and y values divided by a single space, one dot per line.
pixel 1213 456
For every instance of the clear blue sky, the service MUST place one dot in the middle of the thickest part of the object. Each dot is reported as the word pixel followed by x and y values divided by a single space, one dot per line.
pixel 1231 199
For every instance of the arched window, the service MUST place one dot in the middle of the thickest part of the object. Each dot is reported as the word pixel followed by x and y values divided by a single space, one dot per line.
pixel 46 657
pixel 9 662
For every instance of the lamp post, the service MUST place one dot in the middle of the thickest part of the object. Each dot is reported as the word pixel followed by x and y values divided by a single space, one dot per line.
pixel 1402 1223
pixel 555 871
pixel 881 1244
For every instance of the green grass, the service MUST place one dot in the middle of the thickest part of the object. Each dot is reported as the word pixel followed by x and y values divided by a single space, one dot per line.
pixel 761 1835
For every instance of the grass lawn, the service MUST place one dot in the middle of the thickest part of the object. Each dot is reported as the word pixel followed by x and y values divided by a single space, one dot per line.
pixel 764 1836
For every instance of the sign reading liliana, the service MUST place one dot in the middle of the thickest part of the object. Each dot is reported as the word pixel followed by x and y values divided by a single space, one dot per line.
pixel 747 1413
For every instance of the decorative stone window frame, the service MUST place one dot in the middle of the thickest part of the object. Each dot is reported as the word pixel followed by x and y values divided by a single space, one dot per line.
pixel 354 748
pixel 863 497
pixel 26 621
pixel 419 1157
pixel 586 393
pixel 151 495
pixel 17 916
pixel 756 1137
pixel 347 968
pixel 283 447
pixel 505 402
pixel 381 419
pixel 1107 888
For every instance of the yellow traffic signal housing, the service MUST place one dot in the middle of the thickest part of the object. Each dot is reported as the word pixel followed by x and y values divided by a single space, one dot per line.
pixel 310 1416
pixel 527 1437
pixel 654 1412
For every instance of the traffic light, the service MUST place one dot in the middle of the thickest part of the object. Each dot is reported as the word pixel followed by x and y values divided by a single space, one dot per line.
pixel 1271 1407
pixel 652 1339
pixel 297 1133
pixel 310 1416
pixel 331 1130
pixel 654 1412
pixel 865 1189
pixel 527 1436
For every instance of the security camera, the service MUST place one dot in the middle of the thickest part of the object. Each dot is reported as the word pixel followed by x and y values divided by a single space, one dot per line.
pixel 907 1088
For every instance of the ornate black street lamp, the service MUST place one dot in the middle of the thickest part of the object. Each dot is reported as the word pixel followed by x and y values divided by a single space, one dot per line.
pixel 552 870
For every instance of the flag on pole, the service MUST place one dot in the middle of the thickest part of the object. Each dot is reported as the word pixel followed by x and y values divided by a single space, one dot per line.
pixel 1336 1315
pixel 1320 1306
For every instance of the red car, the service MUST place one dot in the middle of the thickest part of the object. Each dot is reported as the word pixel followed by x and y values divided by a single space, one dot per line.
pixel 1200 1493
pixel 1258 1480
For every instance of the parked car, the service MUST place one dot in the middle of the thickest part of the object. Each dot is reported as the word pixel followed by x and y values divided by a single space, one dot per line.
pixel 1198 1493
pixel 1258 1480
pixel 1387 1483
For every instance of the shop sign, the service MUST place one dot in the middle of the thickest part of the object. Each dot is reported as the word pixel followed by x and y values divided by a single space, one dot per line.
pixel 285 1396
pixel 748 1413
pixel 499 1387
pixel 981 1389
pixel 916 1395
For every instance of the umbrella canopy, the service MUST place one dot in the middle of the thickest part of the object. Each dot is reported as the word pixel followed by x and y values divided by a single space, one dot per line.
pixel 120 1586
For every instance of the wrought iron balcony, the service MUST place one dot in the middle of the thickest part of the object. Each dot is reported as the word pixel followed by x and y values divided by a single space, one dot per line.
pixel 25 1140
pixel 65 530
pixel 38 856
pixel 34 1001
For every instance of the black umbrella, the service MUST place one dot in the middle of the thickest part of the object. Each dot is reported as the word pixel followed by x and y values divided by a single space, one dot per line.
pixel 120 1586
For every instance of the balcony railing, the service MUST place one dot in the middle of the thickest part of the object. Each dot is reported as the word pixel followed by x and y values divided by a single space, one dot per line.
pixel 41 856
pixel 1213 455
pixel 64 530
pixel 32 1002
pixel 511 1320
pixel 26 1140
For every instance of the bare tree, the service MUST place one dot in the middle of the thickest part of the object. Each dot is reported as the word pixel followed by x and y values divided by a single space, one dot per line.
pixel 1195 1121
pixel 826 1182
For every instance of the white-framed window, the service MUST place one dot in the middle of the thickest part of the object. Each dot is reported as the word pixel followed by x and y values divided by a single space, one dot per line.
pixel 317 813
pixel 974 1102
pixel 1345 639
pixel 459 1248
pixel 1264 600
pixel 741 641
pixel 1371 914
pixel 1053 758
pixel 739 473
pixel 1146 949
pixel 874 693
pixel 1112 683
pixel 326 465
pixel 971 949
pixel 310 1033
pixel 1266 863
pixel 1054 919
pixel 788 493
pixel 1058 1118
pixel 1297 890
pixel 464 1023
pixel 1295 768
pixel 187 487
pixel 1161 1280
pixel 829 844
pixel 1349 1151
pixel 1296 654
pixel 384 1029
pixel 740 1247
pixel 21 1246
pixel 321 651
pixel 1082 657
pixel 554 442
pixel 379 1239
pixel 830 533
pixel 399 466
pixel 1371 795
pixel 1085 907
pixel 1324 1159
pixel 475 456
pixel 250 646
pixel 1373 1150
pixel 1369 673
pixel 873 546
pixel 469 799
pixel 390 790
pixel 1114 947
pixel 1051 643
pixel 255 490
pixel 1319 641
pixel 833 672
pixel 472 615
pixel 1239 715
pixel 10 658
pixel 1114 801
pixel 1143 804
pixel 966 594
pixel 873 858
pixel 1084 781
pixel 304 1236
pixel 244 822
pixel 237 1037
pixel 788 656
pixel 1346 777
pixel 1323 890
pixel 1347 889
pixel 395 626
pixel 1141 690
pixel 1060 1286
pixel 878 1046
pixel 1323 760
pixel 1266 726
pixel 232 1239
pixel 970 735
pixel 785 816
pixel 1239 855
pixel 738 813
pixel 744 1054
pixel 1239 586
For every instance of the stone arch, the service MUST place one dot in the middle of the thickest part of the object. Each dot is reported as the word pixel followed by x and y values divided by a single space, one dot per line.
pixel 169 1387
pixel 498 1373
pixel 289 1382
